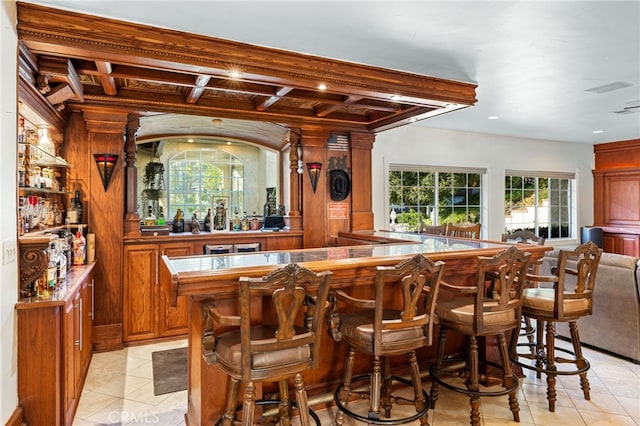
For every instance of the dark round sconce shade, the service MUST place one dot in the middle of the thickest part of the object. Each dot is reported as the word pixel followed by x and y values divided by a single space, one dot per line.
pixel 340 185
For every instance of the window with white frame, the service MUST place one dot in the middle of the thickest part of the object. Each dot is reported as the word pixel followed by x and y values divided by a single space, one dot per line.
pixel 433 195
pixel 199 177
pixel 541 202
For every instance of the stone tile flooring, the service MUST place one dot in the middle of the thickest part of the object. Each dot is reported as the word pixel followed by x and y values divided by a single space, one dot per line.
pixel 119 391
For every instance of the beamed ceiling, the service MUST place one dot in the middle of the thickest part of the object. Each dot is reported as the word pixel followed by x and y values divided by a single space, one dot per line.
pixel 81 61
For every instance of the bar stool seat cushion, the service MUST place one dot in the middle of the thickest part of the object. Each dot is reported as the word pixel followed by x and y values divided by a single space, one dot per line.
pixel 358 326
pixel 460 311
pixel 228 349
pixel 543 299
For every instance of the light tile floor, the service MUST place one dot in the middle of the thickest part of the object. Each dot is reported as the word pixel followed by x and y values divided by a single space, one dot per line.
pixel 119 391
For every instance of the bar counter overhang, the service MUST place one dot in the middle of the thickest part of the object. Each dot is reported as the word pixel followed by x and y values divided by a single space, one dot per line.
pixel 207 279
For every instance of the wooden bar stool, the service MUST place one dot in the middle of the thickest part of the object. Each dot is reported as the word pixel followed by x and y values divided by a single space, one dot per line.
pixel 397 322
pixel 433 229
pixel 570 298
pixel 464 231
pixel 474 314
pixel 272 351
pixel 524 236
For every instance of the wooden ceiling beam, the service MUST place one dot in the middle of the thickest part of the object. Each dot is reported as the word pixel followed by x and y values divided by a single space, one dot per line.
pixel 196 92
pixel 267 102
pixel 59 70
pixel 104 74
pixel 324 110
pixel 134 66
pixel 144 45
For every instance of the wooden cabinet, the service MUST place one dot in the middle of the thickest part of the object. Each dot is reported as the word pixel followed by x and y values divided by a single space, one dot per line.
pixel 147 309
pixel 148 312
pixel 54 350
pixel 616 196
pixel 621 243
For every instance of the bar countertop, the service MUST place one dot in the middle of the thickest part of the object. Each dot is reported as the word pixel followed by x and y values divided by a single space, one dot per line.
pixel 197 275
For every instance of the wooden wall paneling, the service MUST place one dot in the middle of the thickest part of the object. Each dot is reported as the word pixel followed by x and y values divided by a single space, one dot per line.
pixel 335 209
pixel 598 198
pixel 617 155
pixel 314 205
pixel 91 131
pixel 106 220
pixel 361 200
pixel 139 293
pixel 621 198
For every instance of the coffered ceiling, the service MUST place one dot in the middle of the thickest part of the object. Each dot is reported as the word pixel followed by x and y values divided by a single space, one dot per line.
pixel 77 60
pixel 553 70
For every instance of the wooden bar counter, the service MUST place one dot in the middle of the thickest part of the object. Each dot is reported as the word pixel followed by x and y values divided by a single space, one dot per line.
pixel 213 278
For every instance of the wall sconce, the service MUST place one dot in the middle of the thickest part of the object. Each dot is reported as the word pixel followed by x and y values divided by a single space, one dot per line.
pixel 314 173
pixel 106 164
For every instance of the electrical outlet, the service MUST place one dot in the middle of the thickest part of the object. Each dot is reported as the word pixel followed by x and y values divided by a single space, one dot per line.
pixel 9 251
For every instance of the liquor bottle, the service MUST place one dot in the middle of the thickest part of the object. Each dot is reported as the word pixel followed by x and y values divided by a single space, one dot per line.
pixel 150 219
pixel 161 220
pixel 72 213
pixel 78 206
pixel 79 249
pixel 51 269
pixel 57 214
pixel 178 222
pixel 207 221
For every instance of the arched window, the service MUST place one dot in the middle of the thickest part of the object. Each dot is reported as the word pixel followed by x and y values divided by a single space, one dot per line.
pixel 199 178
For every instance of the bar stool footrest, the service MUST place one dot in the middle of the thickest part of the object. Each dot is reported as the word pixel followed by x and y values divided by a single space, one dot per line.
pixel 438 378
pixel 560 372
pixel 378 421
pixel 260 402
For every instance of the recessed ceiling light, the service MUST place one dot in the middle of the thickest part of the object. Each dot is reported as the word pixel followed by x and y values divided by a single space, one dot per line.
pixel 190 140
pixel 493 117
pixel 235 74
pixel 216 121
pixel 412 120
pixel 597 131
pixel 228 142
pixel 322 86
pixel 395 97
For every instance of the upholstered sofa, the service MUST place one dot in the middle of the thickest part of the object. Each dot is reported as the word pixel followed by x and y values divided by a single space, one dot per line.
pixel 615 323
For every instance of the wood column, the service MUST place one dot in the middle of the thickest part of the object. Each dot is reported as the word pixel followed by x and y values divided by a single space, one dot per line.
pixel 314 205
pixel 361 189
pixel 102 131
pixel 295 190
pixel 131 217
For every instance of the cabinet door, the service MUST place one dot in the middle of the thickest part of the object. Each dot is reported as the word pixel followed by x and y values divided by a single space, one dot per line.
pixel 139 292
pixel 173 320
pixel 629 244
pixel 86 295
pixel 70 358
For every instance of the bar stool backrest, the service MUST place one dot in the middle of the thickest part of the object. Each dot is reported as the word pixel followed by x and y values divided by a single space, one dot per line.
pixel 464 231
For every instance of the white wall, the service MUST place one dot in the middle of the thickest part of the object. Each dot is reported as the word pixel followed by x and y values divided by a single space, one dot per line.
pixel 427 146
pixel 8 233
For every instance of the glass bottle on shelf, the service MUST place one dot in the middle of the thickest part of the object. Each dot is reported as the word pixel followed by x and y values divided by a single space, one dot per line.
pixel 78 206
pixel 161 219
pixel 79 249
pixel 207 221
pixel 51 270
pixel 150 219
pixel 44 142
pixel 72 213
pixel 178 222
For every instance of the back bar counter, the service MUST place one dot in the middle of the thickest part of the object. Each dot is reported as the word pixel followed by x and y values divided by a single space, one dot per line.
pixel 213 278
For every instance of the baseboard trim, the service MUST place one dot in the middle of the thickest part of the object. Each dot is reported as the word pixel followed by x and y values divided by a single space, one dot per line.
pixel 17 418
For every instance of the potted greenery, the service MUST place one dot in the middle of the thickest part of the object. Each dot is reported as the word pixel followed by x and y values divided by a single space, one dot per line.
pixel 153 180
